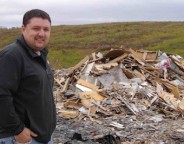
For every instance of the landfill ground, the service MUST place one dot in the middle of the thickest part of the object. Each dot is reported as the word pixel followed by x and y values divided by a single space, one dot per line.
pixel 134 131
pixel 123 97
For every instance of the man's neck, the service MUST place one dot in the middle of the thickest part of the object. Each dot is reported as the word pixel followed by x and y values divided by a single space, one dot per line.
pixel 38 53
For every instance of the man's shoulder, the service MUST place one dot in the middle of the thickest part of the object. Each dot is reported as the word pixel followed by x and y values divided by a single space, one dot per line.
pixel 12 49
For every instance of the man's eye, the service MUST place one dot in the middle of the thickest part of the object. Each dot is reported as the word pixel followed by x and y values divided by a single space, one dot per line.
pixel 36 28
pixel 46 30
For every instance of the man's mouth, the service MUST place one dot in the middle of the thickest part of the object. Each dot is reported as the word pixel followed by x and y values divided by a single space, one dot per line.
pixel 40 40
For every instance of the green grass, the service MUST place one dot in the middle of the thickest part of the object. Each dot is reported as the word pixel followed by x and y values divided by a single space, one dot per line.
pixel 70 43
pixel 66 58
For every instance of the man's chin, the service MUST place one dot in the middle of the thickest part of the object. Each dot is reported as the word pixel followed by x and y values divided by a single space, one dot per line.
pixel 38 48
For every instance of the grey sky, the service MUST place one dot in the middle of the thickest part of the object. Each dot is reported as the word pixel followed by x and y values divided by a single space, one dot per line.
pixel 93 11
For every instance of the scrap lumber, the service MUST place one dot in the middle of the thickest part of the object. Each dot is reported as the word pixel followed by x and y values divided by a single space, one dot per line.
pixel 173 88
pixel 67 114
pixel 128 95
pixel 181 106
pixel 73 105
pixel 147 55
pixel 114 53
pixel 127 105
pixel 101 88
pixel 136 57
pixel 179 63
pixel 78 65
pixel 92 94
pixel 66 85
pixel 87 85
pixel 119 58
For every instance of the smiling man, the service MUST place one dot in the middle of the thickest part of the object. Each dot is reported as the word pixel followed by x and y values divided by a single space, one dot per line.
pixel 27 108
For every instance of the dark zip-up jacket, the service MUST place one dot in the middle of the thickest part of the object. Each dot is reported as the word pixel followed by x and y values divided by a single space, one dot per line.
pixel 26 97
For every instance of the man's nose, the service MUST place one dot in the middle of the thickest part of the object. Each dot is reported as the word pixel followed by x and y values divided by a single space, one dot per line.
pixel 41 32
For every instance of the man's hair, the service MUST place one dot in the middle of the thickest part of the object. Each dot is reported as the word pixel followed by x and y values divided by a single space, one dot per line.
pixel 35 13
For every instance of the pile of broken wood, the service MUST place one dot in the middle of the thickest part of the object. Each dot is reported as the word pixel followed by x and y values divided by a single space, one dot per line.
pixel 121 82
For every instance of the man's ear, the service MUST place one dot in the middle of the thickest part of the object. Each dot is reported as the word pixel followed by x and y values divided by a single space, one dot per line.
pixel 23 28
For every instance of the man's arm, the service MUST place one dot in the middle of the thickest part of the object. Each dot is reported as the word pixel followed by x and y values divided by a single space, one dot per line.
pixel 9 82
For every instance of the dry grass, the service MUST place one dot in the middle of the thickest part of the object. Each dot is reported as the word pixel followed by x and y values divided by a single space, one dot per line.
pixel 71 43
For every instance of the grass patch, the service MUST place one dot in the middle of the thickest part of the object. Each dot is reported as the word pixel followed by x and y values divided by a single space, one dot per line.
pixel 70 43
pixel 66 58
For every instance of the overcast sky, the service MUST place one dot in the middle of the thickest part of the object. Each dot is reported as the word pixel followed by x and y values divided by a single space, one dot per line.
pixel 93 11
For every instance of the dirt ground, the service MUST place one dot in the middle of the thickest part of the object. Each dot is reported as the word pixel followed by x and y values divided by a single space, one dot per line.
pixel 141 129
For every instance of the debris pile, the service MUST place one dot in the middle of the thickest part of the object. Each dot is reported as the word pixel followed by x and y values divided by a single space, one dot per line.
pixel 133 96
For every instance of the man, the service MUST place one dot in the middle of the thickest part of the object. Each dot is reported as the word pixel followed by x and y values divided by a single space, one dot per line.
pixel 27 109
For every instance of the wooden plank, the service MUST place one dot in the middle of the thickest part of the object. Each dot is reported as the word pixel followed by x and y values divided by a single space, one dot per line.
pixel 144 55
pixel 118 59
pixel 71 70
pixel 65 85
pixel 172 87
pixel 114 53
pixel 92 94
pixel 87 84
pixel 147 55
pixel 136 57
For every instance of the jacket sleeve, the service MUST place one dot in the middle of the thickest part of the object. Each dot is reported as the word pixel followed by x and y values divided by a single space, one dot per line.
pixel 9 80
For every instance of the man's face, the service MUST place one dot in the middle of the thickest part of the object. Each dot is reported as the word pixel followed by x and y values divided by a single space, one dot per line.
pixel 37 33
